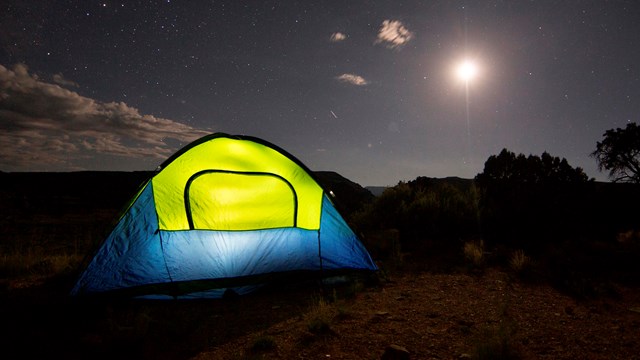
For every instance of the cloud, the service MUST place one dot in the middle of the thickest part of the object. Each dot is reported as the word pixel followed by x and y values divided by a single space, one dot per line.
pixel 393 34
pixel 352 79
pixel 44 126
pixel 337 37
pixel 60 80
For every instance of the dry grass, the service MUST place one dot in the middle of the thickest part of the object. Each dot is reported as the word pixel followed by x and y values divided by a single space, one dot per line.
pixel 520 263
pixel 37 264
pixel 474 253
pixel 320 317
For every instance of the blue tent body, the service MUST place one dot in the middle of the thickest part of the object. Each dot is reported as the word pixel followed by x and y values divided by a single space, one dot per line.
pixel 225 212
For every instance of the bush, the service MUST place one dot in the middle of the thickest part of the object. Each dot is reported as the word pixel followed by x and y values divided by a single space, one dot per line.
pixel 535 200
pixel 521 264
pixel 474 253
pixel 263 343
pixel 442 210
pixel 319 318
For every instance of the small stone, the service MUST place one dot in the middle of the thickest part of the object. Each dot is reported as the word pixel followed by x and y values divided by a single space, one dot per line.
pixel 395 352
pixel 568 310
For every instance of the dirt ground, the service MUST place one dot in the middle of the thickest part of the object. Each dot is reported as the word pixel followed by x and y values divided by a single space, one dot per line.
pixel 431 315
pixel 455 316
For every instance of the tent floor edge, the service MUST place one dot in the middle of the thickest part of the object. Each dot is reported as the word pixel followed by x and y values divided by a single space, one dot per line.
pixel 178 289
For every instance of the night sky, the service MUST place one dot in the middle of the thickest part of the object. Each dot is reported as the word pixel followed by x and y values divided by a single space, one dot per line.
pixel 364 88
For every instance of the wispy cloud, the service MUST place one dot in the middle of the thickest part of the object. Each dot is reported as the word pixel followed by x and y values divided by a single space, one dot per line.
pixel 393 34
pixel 44 126
pixel 60 80
pixel 337 37
pixel 352 79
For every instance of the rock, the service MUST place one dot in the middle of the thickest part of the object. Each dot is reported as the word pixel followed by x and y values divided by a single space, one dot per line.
pixel 395 352
pixel 230 294
pixel 569 310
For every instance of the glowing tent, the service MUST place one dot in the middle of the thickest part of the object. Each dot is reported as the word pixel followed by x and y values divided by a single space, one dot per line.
pixel 225 212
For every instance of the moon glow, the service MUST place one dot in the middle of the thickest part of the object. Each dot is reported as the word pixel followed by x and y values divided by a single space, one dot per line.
pixel 467 70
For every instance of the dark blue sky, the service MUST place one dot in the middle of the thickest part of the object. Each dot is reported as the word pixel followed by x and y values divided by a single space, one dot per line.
pixel 364 88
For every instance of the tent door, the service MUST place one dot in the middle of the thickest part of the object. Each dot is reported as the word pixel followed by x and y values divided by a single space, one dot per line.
pixel 230 200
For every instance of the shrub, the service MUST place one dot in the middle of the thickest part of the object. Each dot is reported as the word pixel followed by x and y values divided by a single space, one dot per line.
pixel 263 343
pixel 424 209
pixel 520 264
pixel 474 253
pixel 319 318
pixel 534 200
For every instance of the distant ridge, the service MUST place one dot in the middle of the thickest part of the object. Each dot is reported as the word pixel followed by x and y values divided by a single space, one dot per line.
pixel 423 181
pixel 377 190
pixel 347 195
pixel 115 188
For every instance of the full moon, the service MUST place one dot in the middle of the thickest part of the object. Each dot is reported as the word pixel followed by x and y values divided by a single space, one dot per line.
pixel 467 70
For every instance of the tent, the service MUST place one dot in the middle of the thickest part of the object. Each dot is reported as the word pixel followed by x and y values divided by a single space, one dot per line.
pixel 225 212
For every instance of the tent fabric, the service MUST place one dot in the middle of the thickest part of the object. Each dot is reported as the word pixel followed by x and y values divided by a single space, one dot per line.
pixel 222 162
pixel 225 212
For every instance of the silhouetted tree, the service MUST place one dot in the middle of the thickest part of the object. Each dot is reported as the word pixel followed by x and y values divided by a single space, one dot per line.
pixel 442 211
pixel 509 167
pixel 529 201
pixel 619 153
